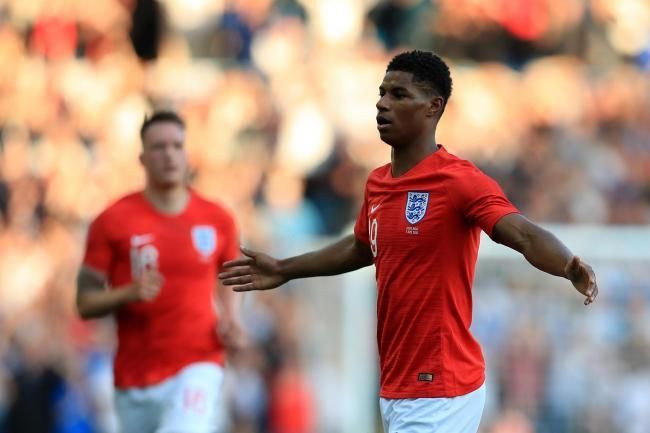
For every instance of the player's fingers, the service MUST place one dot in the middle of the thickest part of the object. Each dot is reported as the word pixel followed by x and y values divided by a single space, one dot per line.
pixel 153 271
pixel 234 281
pixel 151 290
pixel 237 272
pixel 244 288
pixel 591 280
pixel 243 261
pixel 155 282
pixel 149 295
pixel 592 292
pixel 152 276
pixel 591 284
pixel 249 253
pixel 151 285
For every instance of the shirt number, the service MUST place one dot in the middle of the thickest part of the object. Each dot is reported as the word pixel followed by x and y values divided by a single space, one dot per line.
pixel 373 236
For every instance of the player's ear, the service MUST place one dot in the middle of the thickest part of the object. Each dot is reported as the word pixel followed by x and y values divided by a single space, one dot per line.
pixel 141 158
pixel 436 105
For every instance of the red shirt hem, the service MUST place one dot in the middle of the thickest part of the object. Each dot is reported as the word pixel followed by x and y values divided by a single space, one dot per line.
pixel 433 394
pixel 131 382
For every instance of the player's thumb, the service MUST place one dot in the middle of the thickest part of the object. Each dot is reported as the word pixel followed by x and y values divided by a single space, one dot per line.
pixel 248 253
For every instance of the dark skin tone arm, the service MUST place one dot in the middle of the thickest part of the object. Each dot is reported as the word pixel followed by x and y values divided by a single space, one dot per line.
pixel 94 299
pixel 546 252
pixel 258 271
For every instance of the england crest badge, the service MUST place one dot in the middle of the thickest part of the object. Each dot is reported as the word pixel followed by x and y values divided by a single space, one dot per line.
pixel 416 206
pixel 204 239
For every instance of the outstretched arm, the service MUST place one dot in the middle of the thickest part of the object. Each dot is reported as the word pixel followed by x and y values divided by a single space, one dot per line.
pixel 546 252
pixel 259 271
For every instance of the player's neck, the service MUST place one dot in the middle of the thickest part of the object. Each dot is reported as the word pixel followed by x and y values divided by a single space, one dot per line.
pixel 404 158
pixel 167 200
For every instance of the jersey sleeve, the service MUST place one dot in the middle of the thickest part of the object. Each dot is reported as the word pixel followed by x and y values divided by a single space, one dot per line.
pixel 99 251
pixel 480 199
pixel 229 236
pixel 361 226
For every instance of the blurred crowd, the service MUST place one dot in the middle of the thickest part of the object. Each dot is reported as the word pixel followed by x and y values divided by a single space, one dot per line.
pixel 550 98
pixel 556 366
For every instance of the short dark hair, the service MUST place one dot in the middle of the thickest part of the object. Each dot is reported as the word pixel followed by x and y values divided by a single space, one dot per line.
pixel 161 116
pixel 426 68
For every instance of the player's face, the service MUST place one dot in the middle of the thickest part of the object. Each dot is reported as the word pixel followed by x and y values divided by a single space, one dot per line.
pixel 405 110
pixel 163 154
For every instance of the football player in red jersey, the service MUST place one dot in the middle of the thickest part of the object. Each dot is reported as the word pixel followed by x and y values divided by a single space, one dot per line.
pixel 420 224
pixel 152 260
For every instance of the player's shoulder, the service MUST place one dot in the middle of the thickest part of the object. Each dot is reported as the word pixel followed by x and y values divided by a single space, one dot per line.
pixel 459 168
pixel 120 206
pixel 463 175
pixel 454 162
pixel 112 217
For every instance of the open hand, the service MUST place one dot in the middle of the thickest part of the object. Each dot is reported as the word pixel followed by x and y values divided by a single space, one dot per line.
pixel 583 278
pixel 255 271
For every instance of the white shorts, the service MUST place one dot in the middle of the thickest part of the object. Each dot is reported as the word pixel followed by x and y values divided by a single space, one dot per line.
pixel 185 403
pixel 433 415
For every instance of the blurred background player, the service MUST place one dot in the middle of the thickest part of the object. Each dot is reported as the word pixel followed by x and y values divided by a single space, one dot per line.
pixel 151 260
pixel 419 224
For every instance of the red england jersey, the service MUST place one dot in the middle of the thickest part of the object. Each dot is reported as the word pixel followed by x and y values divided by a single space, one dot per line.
pixel 423 229
pixel 179 327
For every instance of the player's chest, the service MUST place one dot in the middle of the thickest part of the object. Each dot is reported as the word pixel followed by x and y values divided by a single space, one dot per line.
pixel 155 242
pixel 407 217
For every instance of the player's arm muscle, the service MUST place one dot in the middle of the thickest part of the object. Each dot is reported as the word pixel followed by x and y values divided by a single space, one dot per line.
pixel 348 254
pixel 258 271
pixel 93 298
pixel 540 247
pixel 544 251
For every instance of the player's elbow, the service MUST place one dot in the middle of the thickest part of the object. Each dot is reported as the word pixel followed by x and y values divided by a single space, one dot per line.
pixel 360 254
pixel 522 244
pixel 86 316
pixel 84 309
pixel 84 313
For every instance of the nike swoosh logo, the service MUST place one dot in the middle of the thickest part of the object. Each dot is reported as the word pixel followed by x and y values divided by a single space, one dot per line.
pixel 374 208
pixel 139 240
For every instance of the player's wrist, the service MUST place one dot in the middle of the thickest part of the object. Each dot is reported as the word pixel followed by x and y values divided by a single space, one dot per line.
pixel 568 274
pixel 283 270
pixel 132 293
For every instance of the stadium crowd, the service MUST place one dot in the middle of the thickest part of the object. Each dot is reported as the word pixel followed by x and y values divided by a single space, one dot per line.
pixel 550 98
